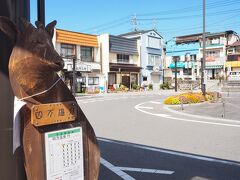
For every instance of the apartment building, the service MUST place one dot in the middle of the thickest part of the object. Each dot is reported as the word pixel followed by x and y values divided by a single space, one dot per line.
pixel 187 51
pixel 84 50
pixel 216 52
pixel 233 58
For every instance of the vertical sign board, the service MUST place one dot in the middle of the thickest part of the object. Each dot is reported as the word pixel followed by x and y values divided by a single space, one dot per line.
pixel 64 154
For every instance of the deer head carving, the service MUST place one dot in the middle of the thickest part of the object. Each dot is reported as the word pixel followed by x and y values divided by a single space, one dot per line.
pixel 34 61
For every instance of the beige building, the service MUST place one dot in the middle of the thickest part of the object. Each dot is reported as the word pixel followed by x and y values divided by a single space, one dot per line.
pixel 120 61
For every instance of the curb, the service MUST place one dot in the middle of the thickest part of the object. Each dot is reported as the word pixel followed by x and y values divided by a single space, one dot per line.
pixel 198 116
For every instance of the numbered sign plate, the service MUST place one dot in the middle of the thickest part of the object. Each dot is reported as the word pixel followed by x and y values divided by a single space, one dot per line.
pixel 64 154
pixel 45 114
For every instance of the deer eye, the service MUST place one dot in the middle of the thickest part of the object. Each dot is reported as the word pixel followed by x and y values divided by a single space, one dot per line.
pixel 37 41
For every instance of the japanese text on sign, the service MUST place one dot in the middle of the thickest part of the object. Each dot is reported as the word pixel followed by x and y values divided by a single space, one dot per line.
pixel 45 114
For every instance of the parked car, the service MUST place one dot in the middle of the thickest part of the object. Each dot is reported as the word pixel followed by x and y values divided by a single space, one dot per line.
pixel 234 76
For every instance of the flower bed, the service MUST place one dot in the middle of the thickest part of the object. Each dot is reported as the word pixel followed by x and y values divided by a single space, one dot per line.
pixel 188 98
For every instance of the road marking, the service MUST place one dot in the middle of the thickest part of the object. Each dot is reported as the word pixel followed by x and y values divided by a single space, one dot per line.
pixel 203 158
pixel 137 107
pixel 115 169
pixel 145 107
pixel 152 171
pixel 155 102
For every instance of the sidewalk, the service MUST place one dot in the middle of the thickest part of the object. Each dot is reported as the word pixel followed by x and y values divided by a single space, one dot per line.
pixel 227 107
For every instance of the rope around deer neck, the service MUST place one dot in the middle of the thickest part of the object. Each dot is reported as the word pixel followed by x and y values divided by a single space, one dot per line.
pixel 42 91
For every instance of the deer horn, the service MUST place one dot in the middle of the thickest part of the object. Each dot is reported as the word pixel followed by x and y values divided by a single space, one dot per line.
pixel 39 24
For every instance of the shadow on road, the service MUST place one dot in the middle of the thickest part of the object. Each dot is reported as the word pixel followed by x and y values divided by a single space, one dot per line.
pixel 149 163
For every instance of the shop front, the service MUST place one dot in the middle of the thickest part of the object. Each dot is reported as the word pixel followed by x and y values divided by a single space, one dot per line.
pixel 214 71
pixel 125 74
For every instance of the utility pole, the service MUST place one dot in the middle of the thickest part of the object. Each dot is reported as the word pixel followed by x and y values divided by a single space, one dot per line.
pixel 203 80
pixel 41 11
pixel 74 77
pixel 175 66
pixel 134 22
pixel 11 165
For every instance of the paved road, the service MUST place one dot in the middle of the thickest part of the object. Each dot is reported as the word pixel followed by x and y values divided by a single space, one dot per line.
pixel 140 139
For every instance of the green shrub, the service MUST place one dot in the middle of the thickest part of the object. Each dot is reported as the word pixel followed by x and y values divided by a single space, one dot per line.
pixel 165 86
pixel 135 86
pixel 150 87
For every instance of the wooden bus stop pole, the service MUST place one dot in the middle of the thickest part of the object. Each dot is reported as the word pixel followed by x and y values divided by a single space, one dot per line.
pixel 11 165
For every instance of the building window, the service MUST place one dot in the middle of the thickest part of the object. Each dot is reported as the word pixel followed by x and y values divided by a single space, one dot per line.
pixel 154 42
pixel 87 54
pixel 93 80
pixel 154 60
pixel 111 79
pixel 122 58
pixel 67 50
pixel 215 54
pixel 187 72
pixel 193 57
pixel 214 41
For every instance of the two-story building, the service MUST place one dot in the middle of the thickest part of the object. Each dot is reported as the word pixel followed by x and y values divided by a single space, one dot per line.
pixel 185 51
pixel 120 60
pixel 84 50
pixel 216 44
pixel 233 58
pixel 150 46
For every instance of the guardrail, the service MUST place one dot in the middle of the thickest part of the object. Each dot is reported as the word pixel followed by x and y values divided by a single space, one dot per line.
pixel 231 86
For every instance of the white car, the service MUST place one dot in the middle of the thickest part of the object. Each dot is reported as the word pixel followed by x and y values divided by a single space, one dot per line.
pixel 234 76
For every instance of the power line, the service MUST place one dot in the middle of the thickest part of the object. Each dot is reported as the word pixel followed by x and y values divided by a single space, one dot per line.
pixel 191 16
pixel 192 8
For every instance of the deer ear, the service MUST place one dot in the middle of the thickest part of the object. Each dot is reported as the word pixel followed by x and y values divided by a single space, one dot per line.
pixel 26 24
pixel 50 28
pixel 8 28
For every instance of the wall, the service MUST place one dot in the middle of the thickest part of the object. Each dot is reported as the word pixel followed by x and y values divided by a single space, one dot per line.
pixel 104 48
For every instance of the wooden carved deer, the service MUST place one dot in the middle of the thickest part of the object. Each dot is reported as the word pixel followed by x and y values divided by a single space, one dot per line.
pixel 32 69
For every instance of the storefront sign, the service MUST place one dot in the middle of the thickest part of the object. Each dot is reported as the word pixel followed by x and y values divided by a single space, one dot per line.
pixel 83 68
pixel 64 154
pixel 53 113
pixel 156 68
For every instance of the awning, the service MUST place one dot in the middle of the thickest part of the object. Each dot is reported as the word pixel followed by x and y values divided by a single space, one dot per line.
pixel 120 67
pixel 214 67
pixel 179 65
pixel 232 64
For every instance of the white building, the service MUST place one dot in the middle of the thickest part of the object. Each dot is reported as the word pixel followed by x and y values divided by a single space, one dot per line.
pixel 150 46
pixel 216 56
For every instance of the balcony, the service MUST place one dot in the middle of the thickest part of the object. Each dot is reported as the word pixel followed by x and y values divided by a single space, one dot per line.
pixel 235 57
pixel 122 61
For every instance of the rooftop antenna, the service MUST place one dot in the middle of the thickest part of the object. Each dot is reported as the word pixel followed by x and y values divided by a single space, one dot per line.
pixel 134 22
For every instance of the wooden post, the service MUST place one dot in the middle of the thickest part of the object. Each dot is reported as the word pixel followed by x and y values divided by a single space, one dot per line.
pixel 11 165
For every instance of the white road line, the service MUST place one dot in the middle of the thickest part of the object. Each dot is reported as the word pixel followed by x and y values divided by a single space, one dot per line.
pixel 153 171
pixel 155 102
pixel 145 107
pixel 115 169
pixel 203 158
pixel 186 120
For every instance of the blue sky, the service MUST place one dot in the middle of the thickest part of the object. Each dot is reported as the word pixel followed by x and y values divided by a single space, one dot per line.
pixel 171 18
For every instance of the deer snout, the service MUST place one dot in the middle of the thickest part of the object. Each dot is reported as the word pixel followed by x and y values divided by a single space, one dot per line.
pixel 60 64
